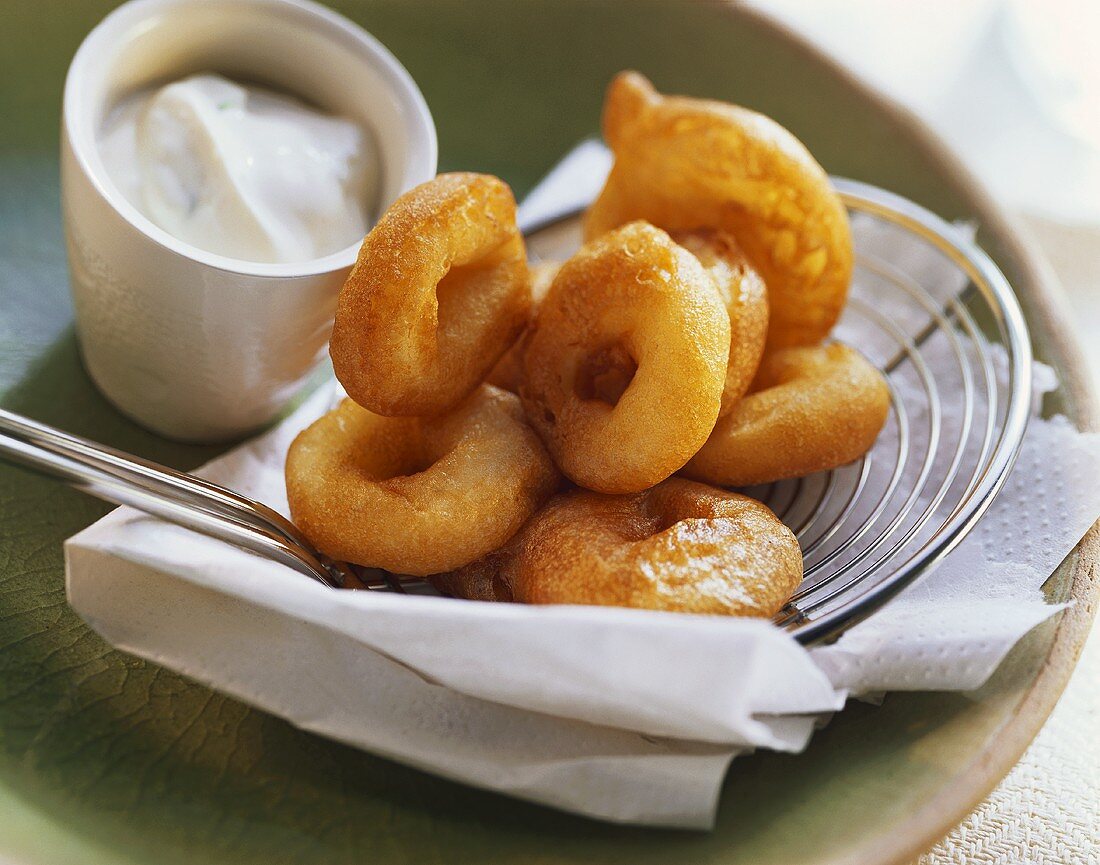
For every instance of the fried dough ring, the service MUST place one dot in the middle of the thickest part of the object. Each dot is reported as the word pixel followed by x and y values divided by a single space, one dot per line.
pixel 810 409
pixel 680 546
pixel 439 292
pixel 418 495
pixel 508 373
pixel 684 163
pixel 746 300
pixel 625 363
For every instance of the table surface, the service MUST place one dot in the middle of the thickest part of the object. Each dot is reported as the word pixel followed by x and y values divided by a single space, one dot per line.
pixel 1047 810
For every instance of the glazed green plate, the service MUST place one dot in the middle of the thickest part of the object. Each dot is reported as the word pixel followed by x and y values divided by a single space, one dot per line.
pixel 107 759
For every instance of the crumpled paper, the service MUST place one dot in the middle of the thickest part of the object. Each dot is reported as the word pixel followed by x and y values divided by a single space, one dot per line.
pixel 622 715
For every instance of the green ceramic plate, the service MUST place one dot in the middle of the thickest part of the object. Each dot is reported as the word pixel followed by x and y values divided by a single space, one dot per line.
pixel 106 759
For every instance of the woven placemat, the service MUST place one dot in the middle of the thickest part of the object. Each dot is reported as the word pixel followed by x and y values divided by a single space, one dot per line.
pixel 1047 810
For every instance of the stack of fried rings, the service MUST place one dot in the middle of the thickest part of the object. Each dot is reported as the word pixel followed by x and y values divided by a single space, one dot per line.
pixel 647 353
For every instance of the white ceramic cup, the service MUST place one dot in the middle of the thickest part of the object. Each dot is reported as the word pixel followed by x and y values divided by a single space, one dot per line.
pixel 192 345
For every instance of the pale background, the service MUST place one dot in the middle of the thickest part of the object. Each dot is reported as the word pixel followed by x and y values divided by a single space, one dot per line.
pixel 1013 86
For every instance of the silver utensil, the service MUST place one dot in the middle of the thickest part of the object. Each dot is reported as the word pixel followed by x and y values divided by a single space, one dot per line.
pixel 177 497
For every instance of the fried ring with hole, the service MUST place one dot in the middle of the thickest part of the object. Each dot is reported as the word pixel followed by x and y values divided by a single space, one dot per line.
pixel 746 300
pixel 683 164
pixel 680 546
pixel 418 495
pixel 508 373
pixel 439 292
pixel 625 363
pixel 810 409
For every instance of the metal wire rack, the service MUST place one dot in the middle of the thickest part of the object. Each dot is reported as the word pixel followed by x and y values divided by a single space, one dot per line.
pixel 934 313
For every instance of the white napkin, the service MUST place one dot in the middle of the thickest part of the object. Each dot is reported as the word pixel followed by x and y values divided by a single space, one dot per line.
pixel 623 715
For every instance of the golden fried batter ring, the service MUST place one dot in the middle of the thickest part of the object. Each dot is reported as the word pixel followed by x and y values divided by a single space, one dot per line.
pixel 684 163
pixel 508 373
pixel 746 299
pixel 418 495
pixel 680 546
pixel 439 292
pixel 810 409
pixel 625 362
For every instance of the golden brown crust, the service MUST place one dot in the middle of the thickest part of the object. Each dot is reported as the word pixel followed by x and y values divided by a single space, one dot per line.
pixel 508 373
pixel 680 546
pixel 439 292
pixel 810 409
pixel 746 300
pixel 625 362
pixel 684 163
pixel 418 495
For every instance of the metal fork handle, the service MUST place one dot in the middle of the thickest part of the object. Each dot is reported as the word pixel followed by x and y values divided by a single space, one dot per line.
pixel 154 476
pixel 162 492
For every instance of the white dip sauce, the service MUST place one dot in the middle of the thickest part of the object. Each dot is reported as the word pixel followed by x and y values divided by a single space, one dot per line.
pixel 242 172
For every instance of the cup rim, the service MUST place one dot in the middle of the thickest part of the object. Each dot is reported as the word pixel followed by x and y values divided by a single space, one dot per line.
pixel 103 37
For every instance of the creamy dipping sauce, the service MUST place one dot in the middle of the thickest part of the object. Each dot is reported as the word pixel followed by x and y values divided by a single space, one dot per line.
pixel 242 172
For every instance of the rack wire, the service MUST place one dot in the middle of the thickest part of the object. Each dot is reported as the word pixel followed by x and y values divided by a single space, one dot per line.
pixel 938 317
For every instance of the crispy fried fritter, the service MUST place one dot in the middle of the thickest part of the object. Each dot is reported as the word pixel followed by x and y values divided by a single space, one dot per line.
pixel 810 409
pixel 684 164
pixel 418 495
pixel 625 362
pixel 439 292
pixel 680 546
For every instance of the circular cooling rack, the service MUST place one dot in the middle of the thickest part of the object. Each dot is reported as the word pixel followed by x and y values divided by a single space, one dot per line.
pixel 933 312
